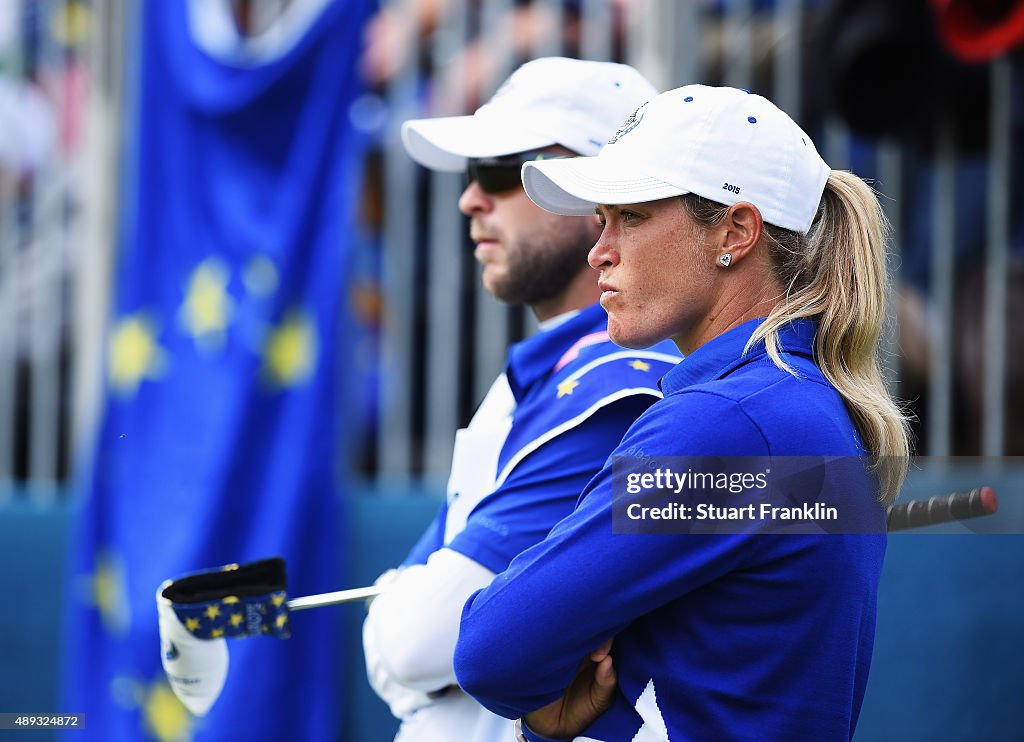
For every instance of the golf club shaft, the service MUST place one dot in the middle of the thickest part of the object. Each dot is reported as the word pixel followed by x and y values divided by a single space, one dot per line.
pixel 340 596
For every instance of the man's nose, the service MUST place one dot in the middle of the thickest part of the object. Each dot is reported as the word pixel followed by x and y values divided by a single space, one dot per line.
pixel 475 200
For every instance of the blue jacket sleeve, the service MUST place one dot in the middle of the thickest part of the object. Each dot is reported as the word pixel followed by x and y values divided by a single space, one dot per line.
pixel 522 638
pixel 544 487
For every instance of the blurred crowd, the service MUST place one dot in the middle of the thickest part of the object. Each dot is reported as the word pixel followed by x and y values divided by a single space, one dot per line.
pixel 894 74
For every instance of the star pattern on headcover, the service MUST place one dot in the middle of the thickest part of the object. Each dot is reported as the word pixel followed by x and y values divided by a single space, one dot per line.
pixel 234 616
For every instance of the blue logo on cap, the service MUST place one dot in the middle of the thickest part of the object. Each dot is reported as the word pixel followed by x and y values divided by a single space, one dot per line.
pixel 631 123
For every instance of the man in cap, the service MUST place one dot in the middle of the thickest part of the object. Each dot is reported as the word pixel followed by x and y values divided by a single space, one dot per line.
pixel 549 422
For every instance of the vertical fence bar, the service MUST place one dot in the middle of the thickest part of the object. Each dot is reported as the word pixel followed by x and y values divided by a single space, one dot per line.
pixel 998 237
pixel 496 32
pixel 10 282
pixel 549 43
pixel 596 28
pixel 552 43
pixel 100 186
pixel 394 442
pixel 739 43
pixel 687 23
pixel 8 345
pixel 650 43
pixel 787 56
pixel 443 278
pixel 490 321
pixel 940 361
pixel 46 275
pixel 490 328
pixel 443 275
pixel 837 144
pixel 46 278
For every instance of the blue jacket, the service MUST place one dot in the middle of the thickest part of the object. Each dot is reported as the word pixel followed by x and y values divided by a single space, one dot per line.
pixel 717 637
pixel 572 394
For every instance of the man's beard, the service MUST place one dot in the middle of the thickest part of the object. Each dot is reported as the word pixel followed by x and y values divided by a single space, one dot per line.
pixel 543 268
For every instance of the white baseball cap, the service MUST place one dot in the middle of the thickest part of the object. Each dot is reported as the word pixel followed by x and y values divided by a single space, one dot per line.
pixel 724 144
pixel 553 100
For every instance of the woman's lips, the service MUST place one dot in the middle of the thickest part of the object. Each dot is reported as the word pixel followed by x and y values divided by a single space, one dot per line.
pixel 607 291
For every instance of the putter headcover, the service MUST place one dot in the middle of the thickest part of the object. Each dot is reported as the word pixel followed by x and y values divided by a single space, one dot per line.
pixel 196 612
pixel 196 668
pixel 232 601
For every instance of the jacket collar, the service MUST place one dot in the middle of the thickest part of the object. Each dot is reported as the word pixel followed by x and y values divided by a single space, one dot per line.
pixel 722 355
pixel 537 355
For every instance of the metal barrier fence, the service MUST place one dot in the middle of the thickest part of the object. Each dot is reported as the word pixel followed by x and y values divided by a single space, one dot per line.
pixel 447 337
pixel 441 338
pixel 59 109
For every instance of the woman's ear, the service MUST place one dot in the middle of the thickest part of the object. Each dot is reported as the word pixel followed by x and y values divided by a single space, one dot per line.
pixel 738 232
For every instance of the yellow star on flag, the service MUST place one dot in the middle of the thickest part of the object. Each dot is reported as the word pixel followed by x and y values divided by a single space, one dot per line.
pixel 207 307
pixel 277 600
pixel 192 624
pixel 236 619
pixel 217 633
pixel 230 600
pixel 212 612
pixel 281 620
pixel 107 593
pixel 567 387
pixel 291 351
pixel 133 354
pixel 640 365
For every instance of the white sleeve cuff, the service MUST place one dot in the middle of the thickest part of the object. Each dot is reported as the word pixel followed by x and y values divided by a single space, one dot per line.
pixel 413 626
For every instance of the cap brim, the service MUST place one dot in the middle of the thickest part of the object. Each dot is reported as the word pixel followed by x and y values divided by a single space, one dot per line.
pixel 573 187
pixel 446 143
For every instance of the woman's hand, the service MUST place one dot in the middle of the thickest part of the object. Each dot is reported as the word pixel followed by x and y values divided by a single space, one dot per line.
pixel 588 696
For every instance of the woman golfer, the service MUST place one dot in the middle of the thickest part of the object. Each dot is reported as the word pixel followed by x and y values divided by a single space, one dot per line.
pixel 725 231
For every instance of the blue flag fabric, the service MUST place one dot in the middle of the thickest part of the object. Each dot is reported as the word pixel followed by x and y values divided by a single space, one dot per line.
pixel 216 440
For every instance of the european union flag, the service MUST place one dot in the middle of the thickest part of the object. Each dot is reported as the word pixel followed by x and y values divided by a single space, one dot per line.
pixel 217 433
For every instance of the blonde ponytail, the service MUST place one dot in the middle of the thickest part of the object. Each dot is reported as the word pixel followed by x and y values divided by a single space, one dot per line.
pixel 836 275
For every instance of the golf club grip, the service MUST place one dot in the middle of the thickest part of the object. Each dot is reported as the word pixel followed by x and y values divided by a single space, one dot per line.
pixel 942 509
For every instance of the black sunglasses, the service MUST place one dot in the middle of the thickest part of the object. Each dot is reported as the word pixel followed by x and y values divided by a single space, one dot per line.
pixel 500 174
